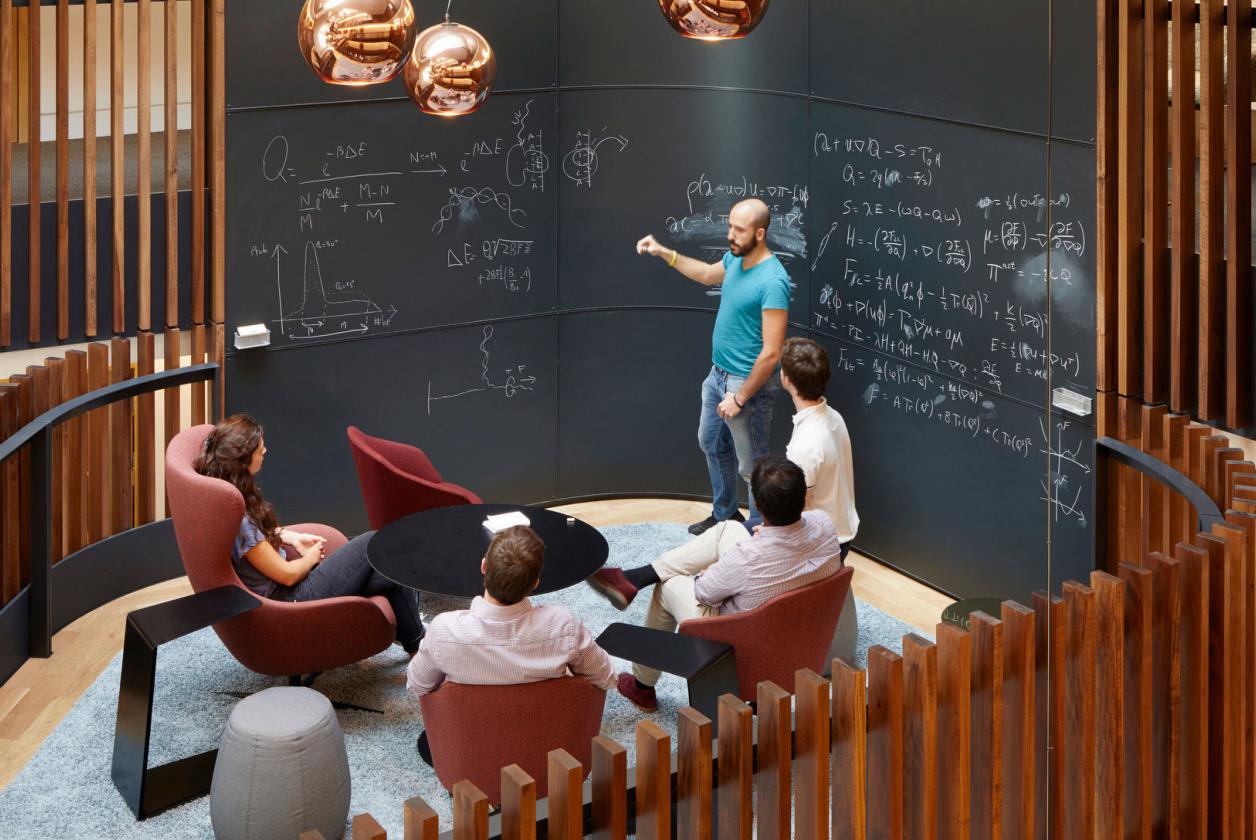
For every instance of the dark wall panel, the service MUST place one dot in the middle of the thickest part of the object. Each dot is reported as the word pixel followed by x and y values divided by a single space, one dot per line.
pixel 605 43
pixel 265 66
pixel 630 178
pixel 1073 67
pixel 372 218
pixel 976 61
pixel 478 400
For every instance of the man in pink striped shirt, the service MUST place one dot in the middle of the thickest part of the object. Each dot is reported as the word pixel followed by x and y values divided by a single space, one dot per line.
pixel 503 639
pixel 726 570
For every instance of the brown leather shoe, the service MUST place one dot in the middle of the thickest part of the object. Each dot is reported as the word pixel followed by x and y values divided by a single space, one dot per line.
pixel 643 698
pixel 613 584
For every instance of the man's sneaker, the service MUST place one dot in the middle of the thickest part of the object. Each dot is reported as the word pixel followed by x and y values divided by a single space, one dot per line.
pixel 613 584
pixel 699 528
pixel 643 698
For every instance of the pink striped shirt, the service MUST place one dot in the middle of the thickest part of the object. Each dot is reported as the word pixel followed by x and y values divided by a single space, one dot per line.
pixel 771 563
pixel 492 645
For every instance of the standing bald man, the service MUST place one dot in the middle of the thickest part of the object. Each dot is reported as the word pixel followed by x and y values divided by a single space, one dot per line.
pixel 740 391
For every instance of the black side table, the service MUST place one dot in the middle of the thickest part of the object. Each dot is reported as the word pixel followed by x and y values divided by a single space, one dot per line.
pixel 151 790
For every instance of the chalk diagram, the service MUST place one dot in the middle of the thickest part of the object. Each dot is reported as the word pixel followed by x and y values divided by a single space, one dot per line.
pixel 320 315
pixel 464 200
pixel 581 163
pixel 516 378
pixel 526 161
pixel 1066 502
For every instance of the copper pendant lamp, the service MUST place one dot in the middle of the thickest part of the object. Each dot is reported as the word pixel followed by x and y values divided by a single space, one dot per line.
pixel 713 20
pixel 451 69
pixel 356 42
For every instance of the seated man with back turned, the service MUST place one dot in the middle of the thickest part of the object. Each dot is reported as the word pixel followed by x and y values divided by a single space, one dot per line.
pixel 503 639
pixel 727 570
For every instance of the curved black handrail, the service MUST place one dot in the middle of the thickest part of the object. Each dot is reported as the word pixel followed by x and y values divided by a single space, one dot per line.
pixel 38 435
pixel 1110 449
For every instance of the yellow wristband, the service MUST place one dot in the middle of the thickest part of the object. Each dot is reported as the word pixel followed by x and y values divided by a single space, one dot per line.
pixel 672 262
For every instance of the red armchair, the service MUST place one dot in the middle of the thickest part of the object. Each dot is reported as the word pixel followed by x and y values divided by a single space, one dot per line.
pixel 775 639
pixel 476 730
pixel 278 638
pixel 398 479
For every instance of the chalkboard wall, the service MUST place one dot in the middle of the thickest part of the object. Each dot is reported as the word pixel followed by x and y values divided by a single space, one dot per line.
pixel 471 286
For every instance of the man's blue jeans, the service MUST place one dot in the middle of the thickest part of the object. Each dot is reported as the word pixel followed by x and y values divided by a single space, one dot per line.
pixel 731 446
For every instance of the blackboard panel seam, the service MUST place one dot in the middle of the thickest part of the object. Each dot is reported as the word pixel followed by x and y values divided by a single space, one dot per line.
pixel 1089 422
pixel 287 106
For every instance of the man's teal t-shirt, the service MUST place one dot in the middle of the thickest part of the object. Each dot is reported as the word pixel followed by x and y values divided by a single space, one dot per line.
pixel 738 335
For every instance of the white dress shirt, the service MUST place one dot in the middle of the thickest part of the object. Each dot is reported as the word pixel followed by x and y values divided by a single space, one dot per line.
pixel 492 645
pixel 821 446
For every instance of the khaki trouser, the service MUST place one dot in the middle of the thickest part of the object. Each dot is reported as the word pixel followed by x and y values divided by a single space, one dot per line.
pixel 673 600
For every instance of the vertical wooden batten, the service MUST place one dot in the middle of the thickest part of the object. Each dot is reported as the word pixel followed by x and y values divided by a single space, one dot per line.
pixel 144 166
pixel 171 97
pixel 63 169
pixel 1106 311
pixel 89 168
pixel 34 173
pixel 6 171
pixel 1183 280
pixel 1238 325
pixel 1155 274
pixel 199 113
pixel 117 134
pixel 1211 351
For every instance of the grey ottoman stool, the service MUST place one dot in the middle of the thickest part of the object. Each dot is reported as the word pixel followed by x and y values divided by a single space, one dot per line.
pixel 281 768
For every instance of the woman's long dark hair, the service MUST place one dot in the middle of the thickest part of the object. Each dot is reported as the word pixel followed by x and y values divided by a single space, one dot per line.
pixel 227 453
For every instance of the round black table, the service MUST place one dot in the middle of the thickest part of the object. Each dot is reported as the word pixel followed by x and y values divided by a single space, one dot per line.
pixel 439 550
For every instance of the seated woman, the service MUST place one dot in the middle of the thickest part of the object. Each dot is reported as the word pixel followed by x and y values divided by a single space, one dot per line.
pixel 286 565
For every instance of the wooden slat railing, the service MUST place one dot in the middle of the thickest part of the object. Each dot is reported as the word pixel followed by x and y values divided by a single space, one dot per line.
pixel 1150 703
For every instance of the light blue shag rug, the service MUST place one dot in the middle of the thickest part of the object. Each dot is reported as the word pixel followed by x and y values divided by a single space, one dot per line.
pixel 66 791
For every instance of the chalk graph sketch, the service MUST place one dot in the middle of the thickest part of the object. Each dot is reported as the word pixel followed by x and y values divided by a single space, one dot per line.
pixel 465 202
pixel 321 314
pixel 526 161
pixel 581 163
pixel 516 377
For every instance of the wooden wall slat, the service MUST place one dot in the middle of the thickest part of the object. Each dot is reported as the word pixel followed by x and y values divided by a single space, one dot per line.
pixel 1152 529
pixel 470 812
pixel 56 395
pixel 1238 195
pixel 1184 281
pixel 1247 522
pixel 693 777
pixel 218 355
pixel 1155 233
pixel 22 382
pixel 1138 700
pixel 1106 192
pixel 199 406
pixel 736 769
pixel 1210 400
pixel 1220 709
pixel 117 105
pixel 75 455
pixel 1233 469
pixel 654 782
pixel 1049 626
pixel 1208 447
pixel 920 738
pixel 954 731
pixel 421 820
pixel 1019 689
pixel 120 441
pixel 10 502
pixel 1079 725
pixel 144 166
pixel 7 94
pixel 1109 667
pixel 885 743
pixel 566 777
pixel 519 802
pixel 1130 485
pixel 170 54
pixel 145 435
pixel 850 752
pixel 1225 461
pixel 63 169
pixel 89 168
pixel 811 756
pixel 170 396
pixel 33 172
pixel 987 732
pixel 98 458
pixel 366 827
pixel 1193 752
pixel 610 786
pixel 773 778
pixel 199 105
pixel 1166 694
pixel 217 140
pixel 1236 661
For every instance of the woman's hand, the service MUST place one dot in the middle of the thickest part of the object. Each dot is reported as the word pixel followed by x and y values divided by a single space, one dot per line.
pixel 301 542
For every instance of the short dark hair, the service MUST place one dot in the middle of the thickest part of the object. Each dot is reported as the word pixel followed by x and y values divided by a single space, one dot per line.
pixel 779 488
pixel 512 564
pixel 807 366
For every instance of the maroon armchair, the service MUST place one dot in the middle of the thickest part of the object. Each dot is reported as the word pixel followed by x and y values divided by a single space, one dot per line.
pixel 398 479
pixel 775 639
pixel 476 730
pixel 278 638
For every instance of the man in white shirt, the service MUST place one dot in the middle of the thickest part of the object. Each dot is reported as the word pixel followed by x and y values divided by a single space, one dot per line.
pixel 503 639
pixel 820 445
